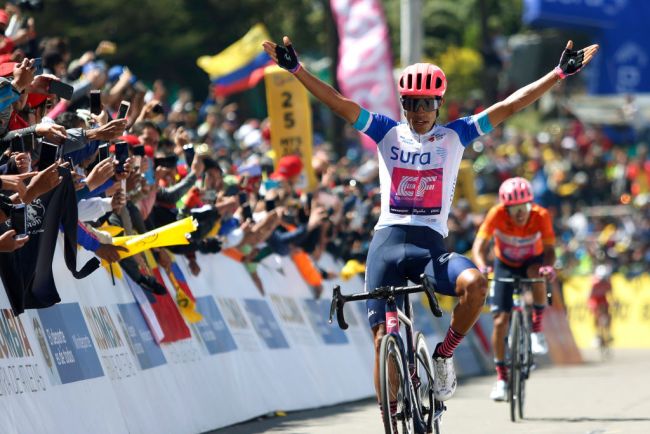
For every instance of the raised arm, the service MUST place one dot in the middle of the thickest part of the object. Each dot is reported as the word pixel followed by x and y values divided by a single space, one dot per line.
pixel 571 62
pixel 285 56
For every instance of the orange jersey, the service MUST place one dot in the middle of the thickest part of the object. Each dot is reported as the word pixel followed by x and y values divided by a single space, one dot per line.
pixel 515 244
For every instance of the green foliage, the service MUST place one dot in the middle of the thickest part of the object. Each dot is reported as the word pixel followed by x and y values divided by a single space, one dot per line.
pixel 163 38
pixel 463 68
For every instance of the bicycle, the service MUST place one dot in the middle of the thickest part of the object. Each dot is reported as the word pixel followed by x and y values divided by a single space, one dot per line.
pixel 417 409
pixel 603 332
pixel 519 353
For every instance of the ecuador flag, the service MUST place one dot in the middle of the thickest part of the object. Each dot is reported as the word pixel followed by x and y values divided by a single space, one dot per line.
pixel 241 65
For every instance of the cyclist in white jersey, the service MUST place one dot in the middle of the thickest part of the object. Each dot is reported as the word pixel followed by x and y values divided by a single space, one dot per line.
pixel 418 167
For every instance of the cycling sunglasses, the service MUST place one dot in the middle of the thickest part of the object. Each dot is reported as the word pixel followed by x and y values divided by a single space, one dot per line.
pixel 414 104
pixel 513 210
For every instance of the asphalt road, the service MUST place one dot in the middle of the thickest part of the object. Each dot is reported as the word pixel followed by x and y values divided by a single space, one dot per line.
pixel 596 398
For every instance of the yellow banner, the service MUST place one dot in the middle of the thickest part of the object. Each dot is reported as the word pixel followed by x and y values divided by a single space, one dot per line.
pixel 290 113
pixel 629 308
pixel 173 234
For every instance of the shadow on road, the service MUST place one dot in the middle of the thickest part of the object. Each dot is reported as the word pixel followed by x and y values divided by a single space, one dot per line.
pixel 588 419
pixel 292 421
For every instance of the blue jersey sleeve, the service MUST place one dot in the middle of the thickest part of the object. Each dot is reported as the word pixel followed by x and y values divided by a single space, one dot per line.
pixel 86 239
pixel 470 127
pixel 374 125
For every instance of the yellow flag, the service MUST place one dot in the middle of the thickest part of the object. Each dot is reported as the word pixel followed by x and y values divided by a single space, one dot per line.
pixel 290 114
pixel 173 234
pixel 186 306
pixel 236 56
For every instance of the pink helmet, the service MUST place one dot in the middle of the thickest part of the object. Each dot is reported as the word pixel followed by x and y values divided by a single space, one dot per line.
pixel 422 79
pixel 515 191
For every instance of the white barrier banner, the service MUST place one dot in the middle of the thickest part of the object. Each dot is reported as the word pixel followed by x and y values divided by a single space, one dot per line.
pixel 92 364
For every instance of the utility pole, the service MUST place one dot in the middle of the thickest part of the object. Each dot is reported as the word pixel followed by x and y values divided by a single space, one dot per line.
pixel 410 31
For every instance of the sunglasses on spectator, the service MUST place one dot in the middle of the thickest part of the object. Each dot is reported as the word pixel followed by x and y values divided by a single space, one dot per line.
pixel 513 210
pixel 414 104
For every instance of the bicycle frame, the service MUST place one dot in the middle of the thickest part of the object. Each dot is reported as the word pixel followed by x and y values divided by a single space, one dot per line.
pixel 408 356
pixel 519 336
pixel 393 318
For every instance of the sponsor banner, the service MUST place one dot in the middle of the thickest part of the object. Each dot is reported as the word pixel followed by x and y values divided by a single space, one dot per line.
pixel 118 362
pixel 290 115
pixel 69 343
pixel 212 329
pixel 331 334
pixel 293 320
pixel 365 71
pixel 138 336
pixel 265 324
pixel 629 307
pixel 623 64
pixel 239 325
pixel 21 371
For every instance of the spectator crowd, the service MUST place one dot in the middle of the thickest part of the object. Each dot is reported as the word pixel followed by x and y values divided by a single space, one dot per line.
pixel 137 159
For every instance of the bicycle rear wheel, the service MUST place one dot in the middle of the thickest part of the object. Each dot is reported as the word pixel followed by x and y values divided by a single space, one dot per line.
pixel 514 373
pixel 396 413
pixel 424 390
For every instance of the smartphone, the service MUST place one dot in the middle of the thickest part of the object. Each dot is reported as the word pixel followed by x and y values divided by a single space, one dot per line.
pixel 158 109
pixel 103 152
pixel 330 212
pixel 269 204
pixel 138 150
pixel 61 89
pixel 19 220
pixel 247 214
pixel 17 144
pixel 243 197
pixel 150 175
pixel 188 150
pixel 168 162
pixel 95 102
pixel 310 199
pixel 29 142
pixel 48 155
pixel 38 66
pixel 123 110
pixel 121 154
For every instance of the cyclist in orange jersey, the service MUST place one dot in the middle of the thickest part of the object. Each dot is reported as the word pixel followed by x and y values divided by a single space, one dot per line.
pixel 524 246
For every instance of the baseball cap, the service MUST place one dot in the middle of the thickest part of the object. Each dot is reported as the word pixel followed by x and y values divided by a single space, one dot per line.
pixel 288 167
pixel 131 139
pixel 7 69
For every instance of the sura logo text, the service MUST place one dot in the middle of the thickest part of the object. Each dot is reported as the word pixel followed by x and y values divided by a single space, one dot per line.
pixel 409 157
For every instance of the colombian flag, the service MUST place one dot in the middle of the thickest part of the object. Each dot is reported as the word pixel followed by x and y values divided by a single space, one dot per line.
pixel 241 65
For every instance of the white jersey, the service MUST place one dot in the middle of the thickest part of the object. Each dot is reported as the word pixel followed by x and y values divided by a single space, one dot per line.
pixel 417 173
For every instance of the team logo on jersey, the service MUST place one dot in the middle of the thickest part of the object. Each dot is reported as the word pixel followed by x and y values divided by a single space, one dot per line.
pixel 417 192
pixel 435 137
pixel 408 157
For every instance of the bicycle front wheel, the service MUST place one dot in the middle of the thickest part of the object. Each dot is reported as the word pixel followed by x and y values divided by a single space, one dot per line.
pixel 514 374
pixel 396 413
pixel 424 389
